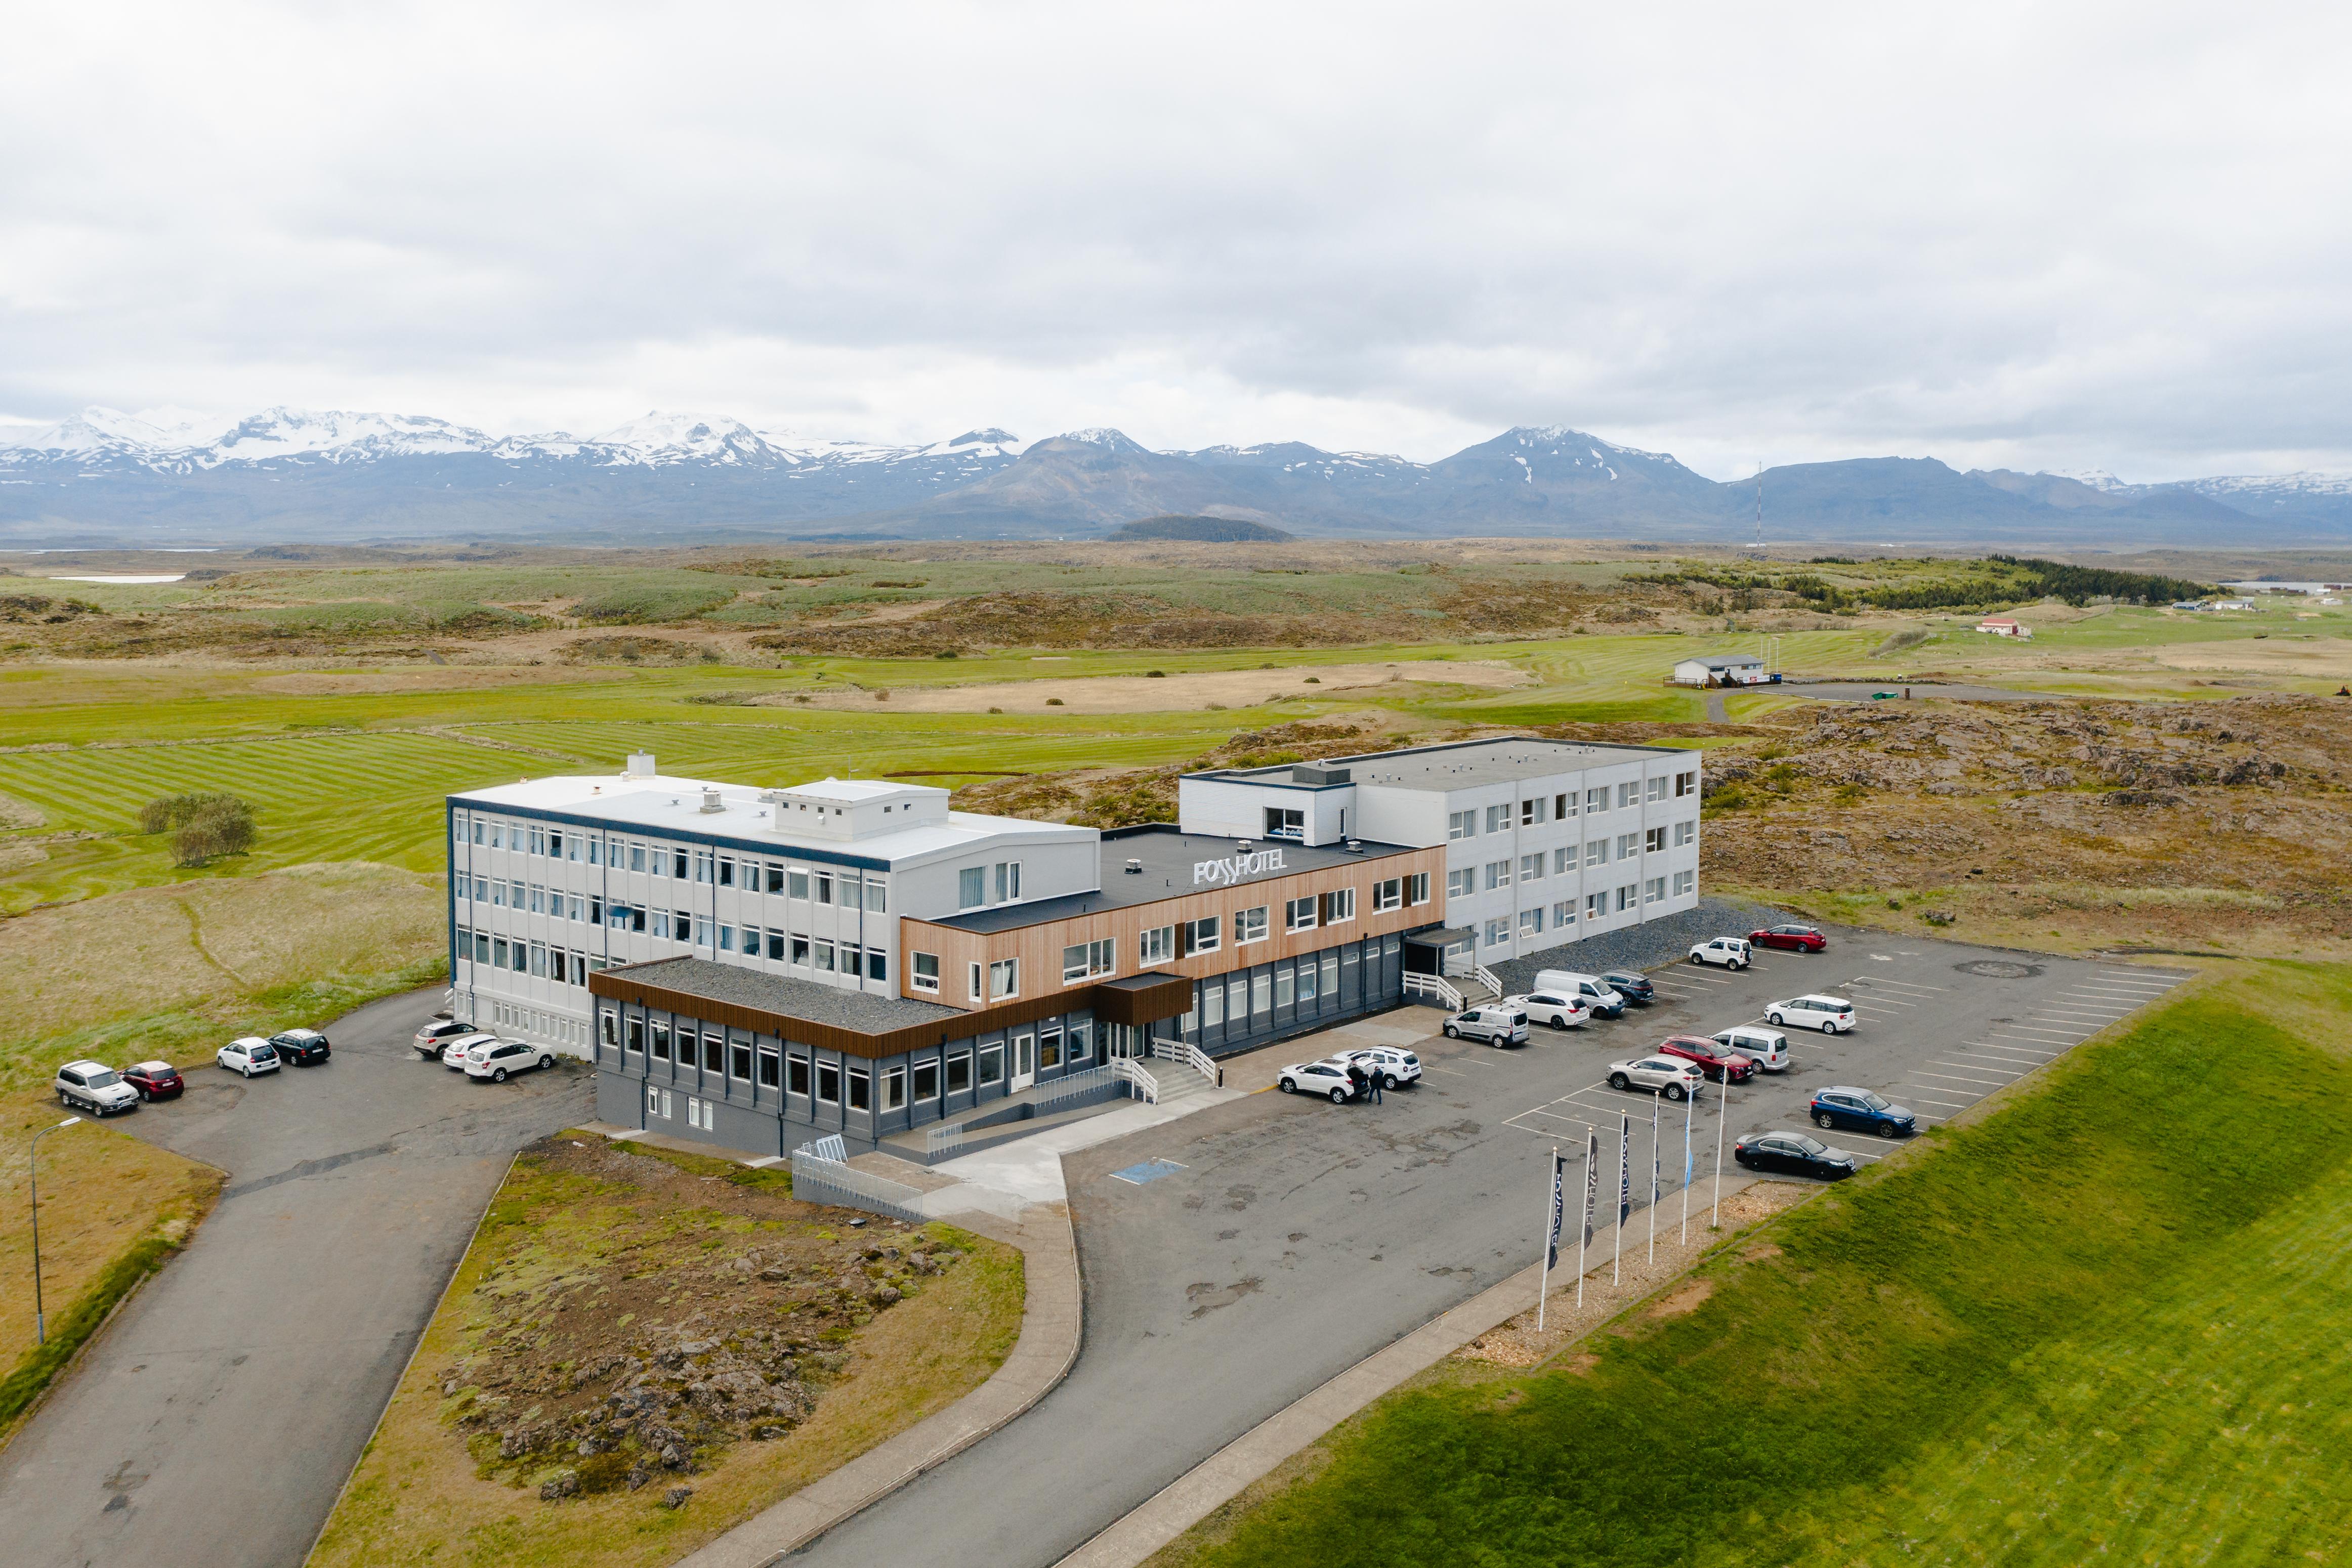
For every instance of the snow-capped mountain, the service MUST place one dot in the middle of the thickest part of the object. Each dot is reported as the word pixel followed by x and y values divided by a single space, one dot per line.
pixel 168 474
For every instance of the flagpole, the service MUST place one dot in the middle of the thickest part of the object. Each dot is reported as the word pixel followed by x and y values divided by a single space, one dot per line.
pixel 1551 1208
pixel 1722 1115
pixel 1653 1182
pixel 1690 1109
pixel 1584 1227
pixel 1625 1183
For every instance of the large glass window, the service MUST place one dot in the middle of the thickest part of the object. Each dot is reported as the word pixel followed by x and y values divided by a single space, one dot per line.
pixel 1201 936
pixel 894 1088
pixel 972 887
pixel 771 1066
pixel 1004 979
pixel 1299 914
pixel 828 1082
pixel 992 1064
pixel 1086 959
pixel 926 974
pixel 661 1042
pixel 927 1080
pixel 960 1073
pixel 1249 926
pixel 1285 822
pixel 1157 946
pixel 796 1075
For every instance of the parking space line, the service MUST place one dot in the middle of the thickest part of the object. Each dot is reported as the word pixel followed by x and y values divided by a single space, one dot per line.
pixel 1907 985
pixel 2041 1048
pixel 1950 1078
pixel 1977 1068
pixel 2111 993
pixel 2157 978
pixel 1886 1002
pixel 2077 1015
pixel 2007 1058
pixel 2042 1036
pixel 2071 1032
pixel 1929 1096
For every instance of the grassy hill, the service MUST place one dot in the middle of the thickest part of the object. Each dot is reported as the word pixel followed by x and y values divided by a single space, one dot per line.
pixel 2108 1323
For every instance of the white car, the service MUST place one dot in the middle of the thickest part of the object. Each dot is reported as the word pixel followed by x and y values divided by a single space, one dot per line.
pixel 94 1087
pixel 1496 1024
pixel 250 1056
pixel 1328 1078
pixel 453 1055
pixel 1830 1015
pixel 1395 1067
pixel 1663 1074
pixel 1558 1008
pixel 1730 952
pixel 1768 1048
pixel 435 1037
pixel 1594 992
pixel 500 1058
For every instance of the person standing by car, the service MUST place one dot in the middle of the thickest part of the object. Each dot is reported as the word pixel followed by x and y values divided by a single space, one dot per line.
pixel 1360 1082
pixel 1373 1084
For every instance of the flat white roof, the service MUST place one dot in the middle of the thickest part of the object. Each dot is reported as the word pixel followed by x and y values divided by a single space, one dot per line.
pixel 1463 764
pixel 676 806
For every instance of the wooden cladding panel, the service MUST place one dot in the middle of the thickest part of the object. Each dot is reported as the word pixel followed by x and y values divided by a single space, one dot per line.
pixel 1039 947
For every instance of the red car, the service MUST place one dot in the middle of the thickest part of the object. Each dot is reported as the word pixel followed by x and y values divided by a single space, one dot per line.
pixel 1713 1057
pixel 1796 938
pixel 155 1080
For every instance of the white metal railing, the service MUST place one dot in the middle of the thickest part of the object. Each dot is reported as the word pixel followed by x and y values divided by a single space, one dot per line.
pixel 946 1137
pixel 821 1176
pixel 1192 1056
pixel 942 1138
pixel 1487 976
pixel 1432 988
pixel 1145 1087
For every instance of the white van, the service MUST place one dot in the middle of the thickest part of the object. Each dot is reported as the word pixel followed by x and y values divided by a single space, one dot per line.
pixel 1593 991
pixel 1769 1048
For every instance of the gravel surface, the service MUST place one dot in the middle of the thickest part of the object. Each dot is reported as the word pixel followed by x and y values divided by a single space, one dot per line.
pixel 1644 946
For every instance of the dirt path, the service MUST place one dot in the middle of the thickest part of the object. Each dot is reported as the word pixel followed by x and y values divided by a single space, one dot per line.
pixel 1147 694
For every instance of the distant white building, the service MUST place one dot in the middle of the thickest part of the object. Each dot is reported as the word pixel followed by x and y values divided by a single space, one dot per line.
pixel 2003 626
pixel 2235 604
pixel 1720 670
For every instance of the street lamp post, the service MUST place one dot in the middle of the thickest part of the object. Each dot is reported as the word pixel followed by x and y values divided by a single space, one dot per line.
pixel 33 1164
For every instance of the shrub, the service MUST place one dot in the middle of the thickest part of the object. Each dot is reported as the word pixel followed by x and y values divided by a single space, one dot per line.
pixel 644 602
pixel 1053 702
pixel 203 827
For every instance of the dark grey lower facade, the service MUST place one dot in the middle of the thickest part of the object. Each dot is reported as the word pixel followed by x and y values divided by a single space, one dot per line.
pixel 1254 1007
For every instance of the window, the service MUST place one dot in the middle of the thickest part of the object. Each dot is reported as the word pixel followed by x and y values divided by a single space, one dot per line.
pixel 1285 822
pixel 1630 792
pixel 637 1038
pixel 894 1088
pixel 1531 868
pixel 1655 889
pixel 828 1082
pixel 821 957
pixel 1596 800
pixel 1498 932
pixel 727 939
pixel 1004 978
pixel 1213 1005
pixel 1086 959
pixel 714 1053
pixel 1286 982
pixel 1653 841
pixel 636 857
pixel 681 925
pixel 1596 852
pixel 1049 1045
pixel 776 945
pixel 1686 832
pixel 1082 1044
pixel 974 977
pixel 1685 783
pixel 1627 897
pixel 972 887
pixel 1563 860
pixel 1498 875
pixel 1306 979
pixel 1564 913
pixel 1530 921
pixel 1008 880
pixel 801 953
pixel 1461 824
pixel 1461 883
pixel 771 1066
pixel 825 887
pixel 1530 812
pixel 596 912
pixel 1685 881
pixel 878 964
pixel 1497 818
pixel 677 864
pixel 739 1060
pixel 1339 907
pixel 991 1064
pixel 610 1028
pixel 775 877
pixel 926 975
pixel 498 952
pixel 661 1042
pixel 798 883
pixel 1201 936
pixel 1596 906
pixel 537 959
pixel 1388 894
pixel 1261 993
pixel 1416 888
pixel 1299 914
pixel 1249 926
pixel 959 1073
pixel 927 1080
pixel 877 896
pixel 796 1076
pixel 1563 804
pixel 1626 843
pixel 1157 946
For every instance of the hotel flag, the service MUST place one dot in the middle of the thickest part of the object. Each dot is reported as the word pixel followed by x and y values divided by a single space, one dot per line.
pixel 1554 1212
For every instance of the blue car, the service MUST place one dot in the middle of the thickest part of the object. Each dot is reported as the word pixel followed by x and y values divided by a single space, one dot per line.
pixel 1860 1111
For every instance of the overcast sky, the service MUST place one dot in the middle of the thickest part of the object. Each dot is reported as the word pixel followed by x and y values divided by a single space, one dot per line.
pixel 2066 237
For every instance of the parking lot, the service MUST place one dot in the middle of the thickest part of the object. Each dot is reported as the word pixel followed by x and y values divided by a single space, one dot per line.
pixel 1237 1259
pixel 217 1419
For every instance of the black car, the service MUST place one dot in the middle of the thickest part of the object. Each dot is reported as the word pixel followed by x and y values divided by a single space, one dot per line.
pixel 301 1047
pixel 1794 1153
pixel 1633 987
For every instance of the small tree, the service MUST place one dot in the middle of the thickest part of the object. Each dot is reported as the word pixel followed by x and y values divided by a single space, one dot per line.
pixel 203 827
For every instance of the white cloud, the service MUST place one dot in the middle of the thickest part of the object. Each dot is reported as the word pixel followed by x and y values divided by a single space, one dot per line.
pixel 2096 236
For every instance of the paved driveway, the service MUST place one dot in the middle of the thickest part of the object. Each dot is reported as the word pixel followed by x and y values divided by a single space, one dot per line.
pixel 216 1420
pixel 1238 1257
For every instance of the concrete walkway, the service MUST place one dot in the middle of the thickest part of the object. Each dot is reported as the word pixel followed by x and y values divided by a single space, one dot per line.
pixel 1050 1321
pixel 1227 1473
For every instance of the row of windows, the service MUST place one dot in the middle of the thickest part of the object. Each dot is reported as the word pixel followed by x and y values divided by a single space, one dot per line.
pixel 799 1073
pixel 1243 996
pixel 814 885
pixel 1465 881
pixel 1503 816
pixel 1562 915
pixel 1083 962
pixel 820 954
pixel 537 958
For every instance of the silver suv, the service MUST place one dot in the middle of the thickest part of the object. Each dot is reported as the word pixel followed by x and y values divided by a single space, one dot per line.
pixel 94 1087
pixel 1496 1024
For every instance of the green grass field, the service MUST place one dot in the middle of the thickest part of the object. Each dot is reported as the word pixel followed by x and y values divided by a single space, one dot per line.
pixel 2108 1324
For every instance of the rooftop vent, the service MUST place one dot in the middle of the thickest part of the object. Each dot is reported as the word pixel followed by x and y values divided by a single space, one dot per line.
pixel 1318 773
pixel 1134 866
pixel 640 765
pixel 711 801
pixel 1355 846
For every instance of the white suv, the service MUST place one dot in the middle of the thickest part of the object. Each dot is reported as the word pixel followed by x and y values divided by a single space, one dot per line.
pixel 1392 1066
pixel 500 1058
pixel 453 1055
pixel 94 1087
pixel 1328 1078
pixel 1557 1009
pixel 1830 1015
pixel 1768 1048
pixel 1731 952
pixel 1496 1024
pixel 1673 1079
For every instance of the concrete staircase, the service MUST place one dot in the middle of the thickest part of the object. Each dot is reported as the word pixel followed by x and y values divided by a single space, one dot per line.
pixel 1177 1080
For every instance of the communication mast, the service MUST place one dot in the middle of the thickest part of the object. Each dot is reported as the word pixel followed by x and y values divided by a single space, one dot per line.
pixel 1758 543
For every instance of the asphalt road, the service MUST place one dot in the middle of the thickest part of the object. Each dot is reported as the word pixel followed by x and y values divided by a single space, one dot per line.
pixel 1292 1238
pixel 216 1420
